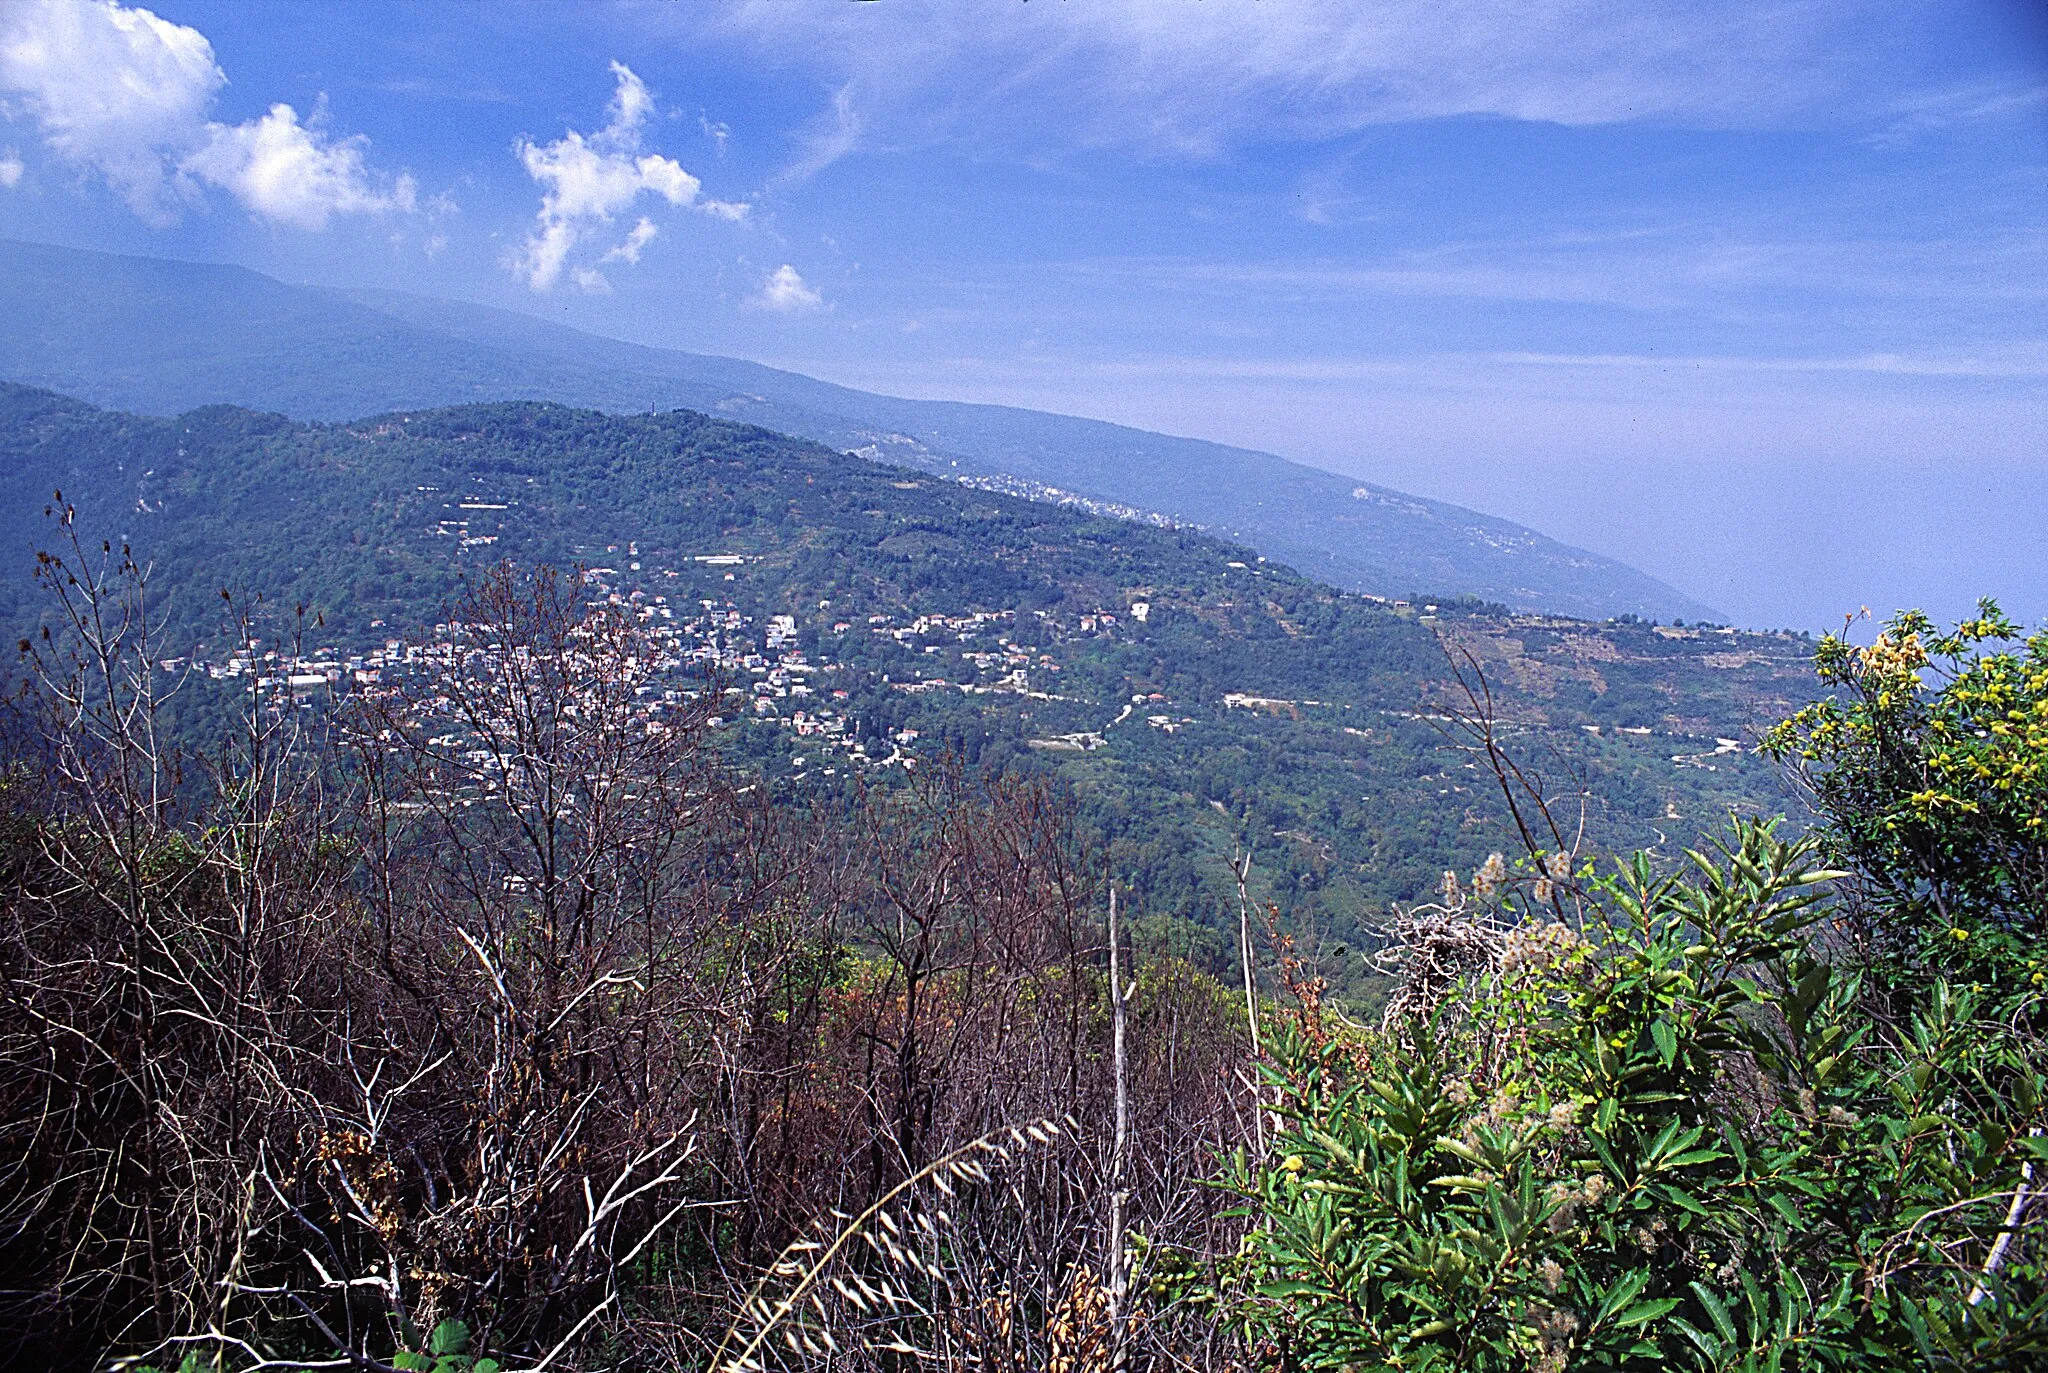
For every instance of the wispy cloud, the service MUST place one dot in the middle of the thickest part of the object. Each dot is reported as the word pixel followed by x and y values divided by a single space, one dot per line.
pixel 2028 360
pixel 718 131
pixel 2025 360
pixel 1934 111
pixel 1665 269
pixel 786 292
pixel 588 180
pixel 1180 78
pixel 833 135
pixel 126 94
pixel 628 252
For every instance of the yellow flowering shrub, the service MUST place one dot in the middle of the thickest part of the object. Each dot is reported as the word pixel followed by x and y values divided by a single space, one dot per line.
pixel 1930 766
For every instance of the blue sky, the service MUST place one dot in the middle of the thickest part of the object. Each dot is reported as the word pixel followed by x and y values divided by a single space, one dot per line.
pixel 1752 296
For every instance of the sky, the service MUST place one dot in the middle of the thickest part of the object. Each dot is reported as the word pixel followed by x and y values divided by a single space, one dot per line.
pixel 1753 297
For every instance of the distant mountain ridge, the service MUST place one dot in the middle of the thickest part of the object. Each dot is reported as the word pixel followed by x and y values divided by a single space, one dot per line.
pixel 162 337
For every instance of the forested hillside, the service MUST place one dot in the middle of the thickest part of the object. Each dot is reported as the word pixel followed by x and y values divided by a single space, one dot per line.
pixel 1197 697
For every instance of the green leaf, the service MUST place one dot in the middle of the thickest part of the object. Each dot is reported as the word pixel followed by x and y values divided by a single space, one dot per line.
pixel 1717 1311
pixel 1642 1313
pixel 1667 1041
pixel 1693 1156
pixel 449 1337
pixel 1292 1288
pixel 1807 995
pixel 1708 1345
pixel 1461 1149
pixel 1621 1294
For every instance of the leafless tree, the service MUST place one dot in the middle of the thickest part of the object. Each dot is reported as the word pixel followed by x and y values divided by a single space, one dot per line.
pixel 493 999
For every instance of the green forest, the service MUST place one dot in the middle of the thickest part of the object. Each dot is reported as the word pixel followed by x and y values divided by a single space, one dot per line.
pixel 1347 785
pixel 515 887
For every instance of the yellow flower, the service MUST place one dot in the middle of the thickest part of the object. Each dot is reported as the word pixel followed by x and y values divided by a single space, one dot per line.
pixel 1292 1163
pixel 1960 933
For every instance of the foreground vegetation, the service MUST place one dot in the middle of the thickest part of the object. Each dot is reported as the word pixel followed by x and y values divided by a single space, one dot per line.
pixel 1766 1114
pixel 560 1042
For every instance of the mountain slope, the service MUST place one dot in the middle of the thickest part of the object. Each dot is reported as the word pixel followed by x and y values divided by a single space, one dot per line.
pixel 1195 698
pixel 162 337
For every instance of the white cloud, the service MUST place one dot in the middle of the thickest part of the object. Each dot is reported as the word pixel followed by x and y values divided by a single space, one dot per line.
pixel 785 291
pixel 589 179
pixel 117 90
pixel 830 140
pixel 121 92
pixel 1182 78
pixel 11 168
pixel 629 252
pixel 283 171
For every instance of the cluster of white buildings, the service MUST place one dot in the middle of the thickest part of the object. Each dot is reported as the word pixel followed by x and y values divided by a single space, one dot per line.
pixel 691 635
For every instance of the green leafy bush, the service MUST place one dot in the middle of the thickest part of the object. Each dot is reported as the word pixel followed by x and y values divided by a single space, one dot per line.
pixel 447 1352
pixel 1672 1136
pixel 1783 1111
pixel 1930 765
